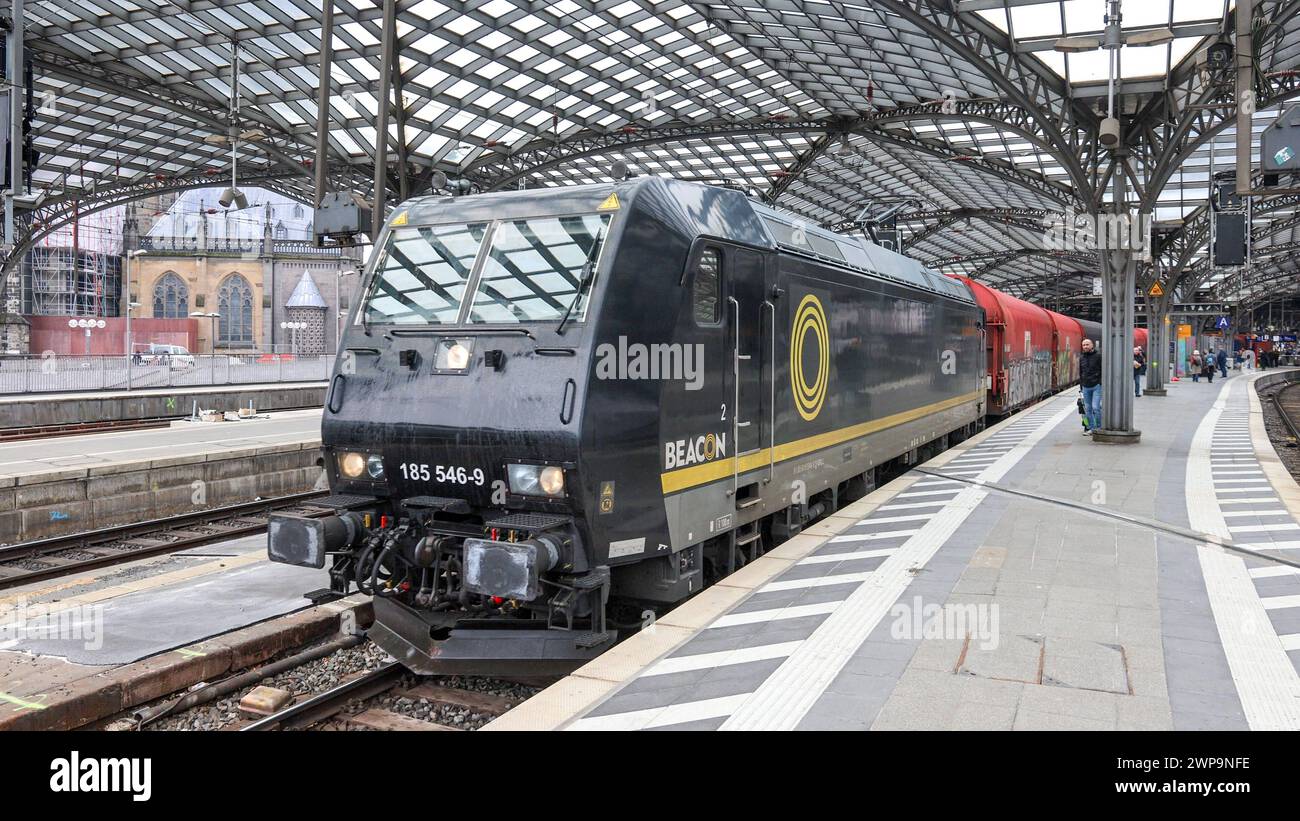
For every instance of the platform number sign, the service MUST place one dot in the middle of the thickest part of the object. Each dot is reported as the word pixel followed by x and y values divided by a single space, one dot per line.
pixel 1222 324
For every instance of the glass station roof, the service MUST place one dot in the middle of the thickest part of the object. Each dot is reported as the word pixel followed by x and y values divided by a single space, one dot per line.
pixel 831 110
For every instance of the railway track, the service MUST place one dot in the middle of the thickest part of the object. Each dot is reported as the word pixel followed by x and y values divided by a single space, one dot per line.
pixel 1287 401
pixel 80 428
pixel 61 555
pixel 347 706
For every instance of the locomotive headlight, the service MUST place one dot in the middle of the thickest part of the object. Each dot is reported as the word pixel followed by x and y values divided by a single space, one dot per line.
pixel 458 357
pixel 552 481
pixel 375 466
pixel 536 480
pixel 453 354
pixel 352 464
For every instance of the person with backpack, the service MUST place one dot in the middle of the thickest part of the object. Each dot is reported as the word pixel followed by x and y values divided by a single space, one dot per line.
pixel 1194 365
pixel 1207 370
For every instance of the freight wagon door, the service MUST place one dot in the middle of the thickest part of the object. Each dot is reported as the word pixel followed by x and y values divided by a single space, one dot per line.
pixel 745 323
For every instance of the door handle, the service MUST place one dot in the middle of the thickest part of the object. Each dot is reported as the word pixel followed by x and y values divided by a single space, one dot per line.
pixel 735 384
pixel 771 394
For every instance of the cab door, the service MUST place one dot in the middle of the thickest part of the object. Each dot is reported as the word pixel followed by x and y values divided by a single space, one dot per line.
pixel 747 322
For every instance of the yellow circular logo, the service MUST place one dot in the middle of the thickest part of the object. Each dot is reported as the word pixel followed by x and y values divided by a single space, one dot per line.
pixel 809 319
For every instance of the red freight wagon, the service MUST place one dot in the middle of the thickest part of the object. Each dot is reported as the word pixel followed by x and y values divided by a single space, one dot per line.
pixel 1018 338
pixel 1067 342
pixel 1092 330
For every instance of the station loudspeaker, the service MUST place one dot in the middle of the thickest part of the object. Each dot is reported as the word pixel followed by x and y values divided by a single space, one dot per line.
pixel 1225 195
pixel 1109 132
pixel 1229 238
pixel 340 219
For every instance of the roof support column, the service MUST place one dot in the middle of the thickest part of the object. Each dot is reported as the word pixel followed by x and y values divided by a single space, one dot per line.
pixel 1117 246
pixel 381 118
pixel 14 185
pixel 399 115
pixel 1157 352
pixel 323 101
pixel 1245 51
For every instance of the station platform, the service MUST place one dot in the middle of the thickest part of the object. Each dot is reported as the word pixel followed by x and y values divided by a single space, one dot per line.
pixel 80 649
pixel 59 455
pixel 1029 578
pixel 25 410
pixel 69 484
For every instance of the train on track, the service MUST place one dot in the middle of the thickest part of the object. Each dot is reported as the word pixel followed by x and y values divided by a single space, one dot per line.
pixel 558 412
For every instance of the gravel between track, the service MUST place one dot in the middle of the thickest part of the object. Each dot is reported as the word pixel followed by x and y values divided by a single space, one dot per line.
pixel 322 674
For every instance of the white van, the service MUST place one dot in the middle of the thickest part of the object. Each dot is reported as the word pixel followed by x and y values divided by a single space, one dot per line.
pixel 175 356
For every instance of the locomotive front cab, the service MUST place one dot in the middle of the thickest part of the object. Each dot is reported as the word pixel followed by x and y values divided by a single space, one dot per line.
pixel 451 438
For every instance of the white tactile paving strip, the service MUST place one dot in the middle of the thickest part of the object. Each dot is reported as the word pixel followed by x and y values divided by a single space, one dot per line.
pixel 1256 604
pixel 764 663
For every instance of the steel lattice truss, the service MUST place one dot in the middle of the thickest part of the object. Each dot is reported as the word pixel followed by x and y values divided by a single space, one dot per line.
pixel 832 110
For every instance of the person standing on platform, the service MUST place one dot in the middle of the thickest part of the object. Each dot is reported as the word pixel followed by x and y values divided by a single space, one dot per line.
pixel 1139 370
pixel 1208 369
pixel 1194 365
pixel 1090 381
pixel 1223 362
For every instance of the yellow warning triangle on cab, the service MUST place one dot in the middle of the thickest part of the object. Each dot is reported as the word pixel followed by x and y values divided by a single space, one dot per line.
pixel 610 203
pixel 1156 290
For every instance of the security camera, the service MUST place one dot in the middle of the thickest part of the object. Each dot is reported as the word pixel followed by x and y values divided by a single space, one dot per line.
pixel 235 196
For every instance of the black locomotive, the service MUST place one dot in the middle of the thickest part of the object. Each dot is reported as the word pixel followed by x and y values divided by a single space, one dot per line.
pixel 557 410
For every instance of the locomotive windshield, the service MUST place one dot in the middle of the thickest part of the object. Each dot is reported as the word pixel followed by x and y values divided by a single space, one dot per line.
pixel 422 274
pixel 532 270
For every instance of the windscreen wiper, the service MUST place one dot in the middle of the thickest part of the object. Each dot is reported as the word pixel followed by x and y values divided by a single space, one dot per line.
pixel 588 274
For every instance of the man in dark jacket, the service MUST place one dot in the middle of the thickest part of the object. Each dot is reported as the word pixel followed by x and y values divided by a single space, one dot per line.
pixel 1090 381
pixel 1139 370
pixel 1223 362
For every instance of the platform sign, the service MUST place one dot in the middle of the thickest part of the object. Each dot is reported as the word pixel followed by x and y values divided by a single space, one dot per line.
pixel 1222 324
pixel 1184 331
pixel 1280 143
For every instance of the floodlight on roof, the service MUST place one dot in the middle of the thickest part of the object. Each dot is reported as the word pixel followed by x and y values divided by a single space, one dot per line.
pixel 1154 37
pixel 1076 45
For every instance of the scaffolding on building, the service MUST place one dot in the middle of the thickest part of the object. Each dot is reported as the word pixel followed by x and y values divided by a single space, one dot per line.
pixel 76 270
pixel 63 281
